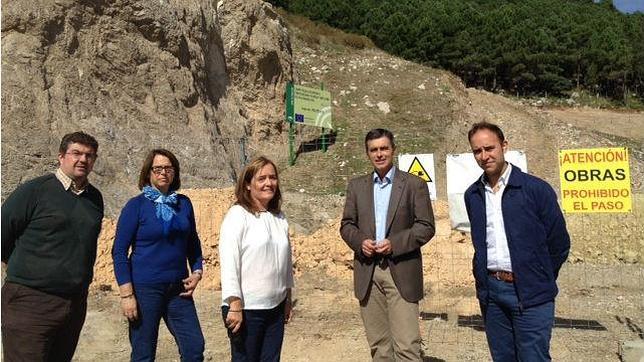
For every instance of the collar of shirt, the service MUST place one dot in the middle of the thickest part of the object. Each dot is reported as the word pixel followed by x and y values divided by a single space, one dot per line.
pixel 386 180
pixel 503 180
pixel 68 183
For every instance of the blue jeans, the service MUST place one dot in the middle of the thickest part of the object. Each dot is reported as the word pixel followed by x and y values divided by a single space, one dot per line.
pixel 156 301
pixel 260 337
pixel 515 334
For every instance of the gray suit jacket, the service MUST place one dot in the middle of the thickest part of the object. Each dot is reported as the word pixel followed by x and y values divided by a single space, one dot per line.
pixel 410 225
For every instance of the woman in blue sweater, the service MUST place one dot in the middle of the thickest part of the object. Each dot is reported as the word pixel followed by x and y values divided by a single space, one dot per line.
pixel 154 282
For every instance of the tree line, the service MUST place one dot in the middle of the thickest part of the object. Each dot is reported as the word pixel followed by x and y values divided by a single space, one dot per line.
pixel 527 47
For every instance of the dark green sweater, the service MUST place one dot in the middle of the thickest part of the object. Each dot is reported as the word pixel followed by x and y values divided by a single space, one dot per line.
pixel 49 236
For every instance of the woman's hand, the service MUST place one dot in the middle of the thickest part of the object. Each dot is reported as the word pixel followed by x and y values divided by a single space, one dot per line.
pixel 128 302
pixel 288 307
pixel 128 305
pixel 288 311
pixel 190 283
pixel 235 316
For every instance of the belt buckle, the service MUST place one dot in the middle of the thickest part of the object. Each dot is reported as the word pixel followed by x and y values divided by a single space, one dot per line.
pixel 497 275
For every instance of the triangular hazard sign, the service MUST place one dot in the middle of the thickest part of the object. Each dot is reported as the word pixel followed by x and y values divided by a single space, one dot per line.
pixel 417 169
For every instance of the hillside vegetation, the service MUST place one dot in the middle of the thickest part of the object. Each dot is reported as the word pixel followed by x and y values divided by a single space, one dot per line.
pixel 528 47
pixel 430 111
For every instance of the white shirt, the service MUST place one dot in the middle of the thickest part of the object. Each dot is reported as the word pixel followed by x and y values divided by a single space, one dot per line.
pixel 255 258
pixel 498 253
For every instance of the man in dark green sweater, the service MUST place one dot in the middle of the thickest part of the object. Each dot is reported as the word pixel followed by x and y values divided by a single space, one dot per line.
pixel 50 226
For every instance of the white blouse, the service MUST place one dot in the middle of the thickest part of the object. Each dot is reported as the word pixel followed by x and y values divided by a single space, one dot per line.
pixel 255 258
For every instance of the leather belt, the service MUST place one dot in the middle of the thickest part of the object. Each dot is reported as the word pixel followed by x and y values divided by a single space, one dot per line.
pixel 502 275
pixel 382 262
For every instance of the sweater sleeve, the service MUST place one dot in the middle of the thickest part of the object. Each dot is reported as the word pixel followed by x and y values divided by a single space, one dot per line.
pixel 230 247
pixel 195 257
pixel 126 230
pixel 17 211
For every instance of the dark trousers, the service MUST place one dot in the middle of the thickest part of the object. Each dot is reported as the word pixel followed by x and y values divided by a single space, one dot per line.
pixel 38 326
pixel 157 301
pixel 515 334
pixel 260 337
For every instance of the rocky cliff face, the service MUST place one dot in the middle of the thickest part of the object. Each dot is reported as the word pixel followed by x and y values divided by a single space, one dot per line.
pixel 200 78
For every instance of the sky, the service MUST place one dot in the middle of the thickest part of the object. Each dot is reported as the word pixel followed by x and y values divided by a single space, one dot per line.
pixel 629 6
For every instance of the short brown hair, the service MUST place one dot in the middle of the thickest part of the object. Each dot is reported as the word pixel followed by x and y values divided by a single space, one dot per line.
pixel 77 137
pixel 243 194
pixel 144 176
pixel 488 126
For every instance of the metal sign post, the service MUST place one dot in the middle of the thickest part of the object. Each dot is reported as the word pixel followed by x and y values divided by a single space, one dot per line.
pixel 310 107
pixel 323 138
pixel 290 118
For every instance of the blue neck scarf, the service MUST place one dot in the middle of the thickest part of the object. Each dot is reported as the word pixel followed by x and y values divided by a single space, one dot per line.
pixel 165 205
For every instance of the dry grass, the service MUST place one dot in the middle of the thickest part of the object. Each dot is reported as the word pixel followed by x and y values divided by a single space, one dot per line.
pixel 315 33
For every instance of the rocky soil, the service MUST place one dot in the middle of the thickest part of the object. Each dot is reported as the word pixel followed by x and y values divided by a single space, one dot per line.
pixel 600 304
pixel 199 77
pixel 599 307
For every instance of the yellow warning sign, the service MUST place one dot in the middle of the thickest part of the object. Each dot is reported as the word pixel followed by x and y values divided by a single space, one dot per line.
pixel 417 169
pixel 595 180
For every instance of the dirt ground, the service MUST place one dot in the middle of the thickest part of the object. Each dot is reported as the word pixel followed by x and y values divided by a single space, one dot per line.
pixel 601 303
pixel 622 124
pixel 598 308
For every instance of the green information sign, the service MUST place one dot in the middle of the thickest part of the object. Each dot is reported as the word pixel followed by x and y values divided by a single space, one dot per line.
pixel 308 106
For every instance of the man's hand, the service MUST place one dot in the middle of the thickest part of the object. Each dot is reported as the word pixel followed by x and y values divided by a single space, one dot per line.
pixel 384 247
pixel 368 247
pixel 190 283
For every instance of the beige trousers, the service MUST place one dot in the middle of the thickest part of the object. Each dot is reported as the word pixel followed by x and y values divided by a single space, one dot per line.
pixel 390 322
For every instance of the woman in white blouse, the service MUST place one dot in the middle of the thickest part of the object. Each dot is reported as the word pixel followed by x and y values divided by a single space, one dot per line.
pixel 256 266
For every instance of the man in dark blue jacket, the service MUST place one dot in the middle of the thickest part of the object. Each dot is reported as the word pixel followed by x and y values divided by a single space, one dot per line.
pixel 520 242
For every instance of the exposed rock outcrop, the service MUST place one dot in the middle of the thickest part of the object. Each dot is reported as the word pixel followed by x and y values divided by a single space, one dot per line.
pixel 202 79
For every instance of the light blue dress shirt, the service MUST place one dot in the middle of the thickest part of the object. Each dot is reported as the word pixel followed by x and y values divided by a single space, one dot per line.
pixel 381 195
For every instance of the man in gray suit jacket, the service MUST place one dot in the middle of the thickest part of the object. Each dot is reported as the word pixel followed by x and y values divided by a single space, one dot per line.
pixel 387 218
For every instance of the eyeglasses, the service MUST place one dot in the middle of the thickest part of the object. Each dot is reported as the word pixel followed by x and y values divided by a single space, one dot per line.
pixel 77 155
pixel 157 170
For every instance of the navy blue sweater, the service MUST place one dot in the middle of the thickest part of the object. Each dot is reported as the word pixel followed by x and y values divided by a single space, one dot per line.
pixel 536 233
pixel 155 258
